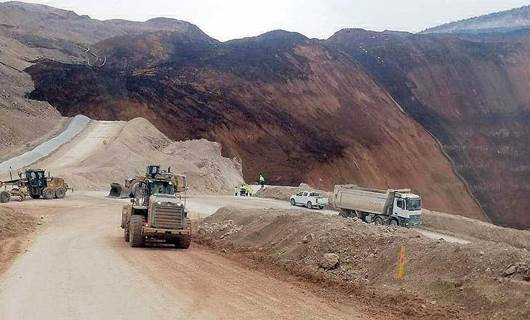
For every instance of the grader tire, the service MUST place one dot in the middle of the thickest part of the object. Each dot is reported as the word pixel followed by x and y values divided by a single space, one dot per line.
pixel 60 193
pixel 136 238
pixel 4 196
pixel 48 194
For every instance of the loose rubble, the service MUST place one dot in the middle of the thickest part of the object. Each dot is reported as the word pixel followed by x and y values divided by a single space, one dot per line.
pixel 352 252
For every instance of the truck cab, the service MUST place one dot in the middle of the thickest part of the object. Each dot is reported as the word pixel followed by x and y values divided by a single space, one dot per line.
pixel 406 210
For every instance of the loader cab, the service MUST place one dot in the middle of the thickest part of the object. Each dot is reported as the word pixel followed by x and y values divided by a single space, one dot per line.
pixel 160 187
pixel 153 187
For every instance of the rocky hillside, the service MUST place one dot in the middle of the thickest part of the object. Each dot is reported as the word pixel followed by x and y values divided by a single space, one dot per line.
pixel 472 96
pixel 29 32
pixel 501 21
pixel 287 106
pixel 445 115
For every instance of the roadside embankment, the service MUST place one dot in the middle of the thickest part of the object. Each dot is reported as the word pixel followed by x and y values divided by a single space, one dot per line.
pixel 14 228
pixel 442 280
pixel 473 229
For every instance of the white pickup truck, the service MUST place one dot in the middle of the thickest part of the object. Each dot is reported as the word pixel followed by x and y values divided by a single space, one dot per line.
pixel 309 199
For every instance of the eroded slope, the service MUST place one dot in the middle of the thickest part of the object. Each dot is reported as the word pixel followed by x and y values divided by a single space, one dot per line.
pixel 285 105
pixel 473 96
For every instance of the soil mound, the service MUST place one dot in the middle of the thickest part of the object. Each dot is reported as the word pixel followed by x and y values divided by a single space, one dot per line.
pixel 485 278
pixel 13 227
pixel 138 144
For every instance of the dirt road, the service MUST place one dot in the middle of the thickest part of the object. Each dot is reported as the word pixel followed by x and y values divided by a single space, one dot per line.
pixel 79 267
pixel 203 206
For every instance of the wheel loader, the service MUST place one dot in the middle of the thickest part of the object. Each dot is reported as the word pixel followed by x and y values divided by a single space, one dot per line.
pixel 157 210
pixel 35 184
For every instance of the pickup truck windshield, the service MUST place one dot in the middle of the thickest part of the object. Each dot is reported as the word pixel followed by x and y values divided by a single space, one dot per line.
pixel 413 204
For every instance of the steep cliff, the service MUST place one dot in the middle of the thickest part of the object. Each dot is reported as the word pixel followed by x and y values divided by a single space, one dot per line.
pixel 473 96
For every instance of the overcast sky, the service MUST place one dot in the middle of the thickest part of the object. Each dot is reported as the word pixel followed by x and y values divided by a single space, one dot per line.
pixel 228 19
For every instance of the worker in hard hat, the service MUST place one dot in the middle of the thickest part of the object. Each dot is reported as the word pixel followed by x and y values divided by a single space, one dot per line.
pixel 261 180
pixel 236 191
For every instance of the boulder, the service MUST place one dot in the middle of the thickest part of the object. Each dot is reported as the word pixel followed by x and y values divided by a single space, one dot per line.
pixel 329 261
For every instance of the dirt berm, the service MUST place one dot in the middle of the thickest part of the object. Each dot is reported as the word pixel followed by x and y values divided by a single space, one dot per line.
pixel 443 280
pixel 285 193
pixel 14 227
pixel 134 145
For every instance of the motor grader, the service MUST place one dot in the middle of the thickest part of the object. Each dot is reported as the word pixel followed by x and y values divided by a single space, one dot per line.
pixel 157 210
pixel 35 184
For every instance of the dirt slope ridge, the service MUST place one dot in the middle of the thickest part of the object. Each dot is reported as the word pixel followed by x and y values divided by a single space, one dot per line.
pixel 472 96
pixel 29 32
pixel 467 275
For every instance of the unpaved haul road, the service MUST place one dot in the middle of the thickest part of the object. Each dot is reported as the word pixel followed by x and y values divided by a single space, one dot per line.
pixel 203 206
pixel 79 267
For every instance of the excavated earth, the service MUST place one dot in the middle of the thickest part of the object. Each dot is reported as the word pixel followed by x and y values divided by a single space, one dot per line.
pixel 486 280
pixel 15 228
pixel 109 152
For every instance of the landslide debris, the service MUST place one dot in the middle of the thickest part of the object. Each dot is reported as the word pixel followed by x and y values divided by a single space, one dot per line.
pixel 440 277
pixel 278 101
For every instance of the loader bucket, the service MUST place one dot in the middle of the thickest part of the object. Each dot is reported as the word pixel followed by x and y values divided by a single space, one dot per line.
pixel 116 190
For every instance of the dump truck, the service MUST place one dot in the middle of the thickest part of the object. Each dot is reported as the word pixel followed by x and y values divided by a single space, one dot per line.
pixel 157 211
pixel 398 207
pixel 35 184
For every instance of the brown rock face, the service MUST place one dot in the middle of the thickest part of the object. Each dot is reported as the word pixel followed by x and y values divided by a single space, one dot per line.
pixel 287 106
pixel 472 96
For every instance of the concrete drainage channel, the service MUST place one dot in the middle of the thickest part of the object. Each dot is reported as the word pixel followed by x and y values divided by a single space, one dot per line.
pixel 76 126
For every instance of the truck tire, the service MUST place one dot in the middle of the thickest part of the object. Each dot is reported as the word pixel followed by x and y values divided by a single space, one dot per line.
pixel 309 205
pixel 60 193
pixel 5 196
pixel 135 231
pixel 183 242
pixel 394 223
pixel 293 202
pixel 378 221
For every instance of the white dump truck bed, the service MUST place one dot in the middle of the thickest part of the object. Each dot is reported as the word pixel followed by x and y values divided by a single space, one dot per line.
pixel 361 199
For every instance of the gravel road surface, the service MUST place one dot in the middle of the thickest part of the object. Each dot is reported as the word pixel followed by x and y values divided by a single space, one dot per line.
pixel 79 267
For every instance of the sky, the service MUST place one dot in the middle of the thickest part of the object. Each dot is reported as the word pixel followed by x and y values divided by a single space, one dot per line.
pixel 229 19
